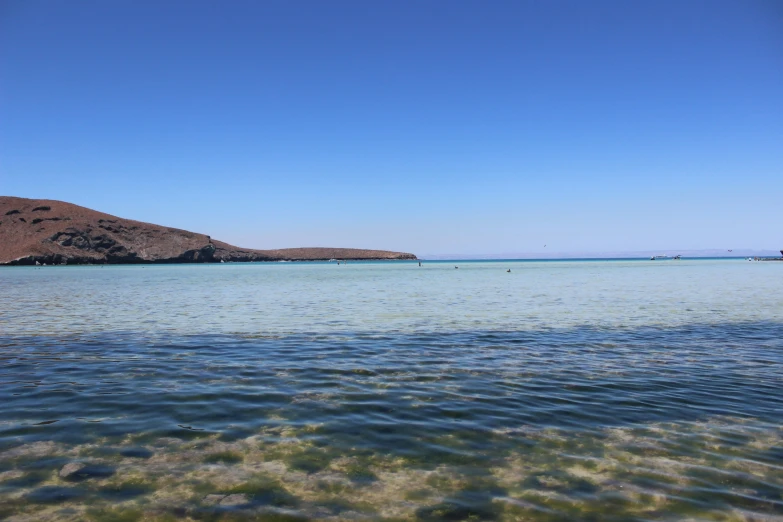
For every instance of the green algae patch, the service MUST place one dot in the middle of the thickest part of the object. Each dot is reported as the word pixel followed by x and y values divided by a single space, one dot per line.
pixel 443 481
pixel 28 480
pixel 309 460
pixel 333 487
pixel 475 501
pixel 418 495
pixel 614 474
pixel 359 472
pixel 118 514
pixel 224 457
pixel 341 506
pixel 456 510
pixel 126 490
pixel 559 481
pixel 264 490
pixel 251 517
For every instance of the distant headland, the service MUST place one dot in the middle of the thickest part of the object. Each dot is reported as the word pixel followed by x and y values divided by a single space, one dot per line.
pixel 39 231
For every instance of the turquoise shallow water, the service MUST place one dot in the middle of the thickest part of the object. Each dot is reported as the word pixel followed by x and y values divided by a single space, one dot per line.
pixel 569 390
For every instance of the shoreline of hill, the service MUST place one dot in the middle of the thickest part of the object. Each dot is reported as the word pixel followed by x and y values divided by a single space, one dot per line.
pixel 39 231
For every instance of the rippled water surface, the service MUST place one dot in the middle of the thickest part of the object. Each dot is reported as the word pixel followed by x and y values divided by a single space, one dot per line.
pixel 603 390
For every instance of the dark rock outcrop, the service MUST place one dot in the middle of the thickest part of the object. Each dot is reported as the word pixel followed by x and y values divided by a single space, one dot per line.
pixel 35 231
pixel 79 471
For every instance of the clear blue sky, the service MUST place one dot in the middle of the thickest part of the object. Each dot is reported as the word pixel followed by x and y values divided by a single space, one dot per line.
pixel 431 127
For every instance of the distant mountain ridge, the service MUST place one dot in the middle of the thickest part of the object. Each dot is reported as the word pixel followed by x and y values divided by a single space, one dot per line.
pixel 38 231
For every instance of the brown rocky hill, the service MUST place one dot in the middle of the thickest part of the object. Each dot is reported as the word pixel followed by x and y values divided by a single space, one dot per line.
pixel 54 232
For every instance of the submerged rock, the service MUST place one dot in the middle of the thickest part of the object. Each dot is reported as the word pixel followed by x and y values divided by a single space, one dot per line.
pixel 78 471
pixel 71 469
pixel 235 500
pixel 213 499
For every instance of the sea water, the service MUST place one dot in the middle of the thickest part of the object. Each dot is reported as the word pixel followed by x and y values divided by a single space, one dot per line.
pixel 561 390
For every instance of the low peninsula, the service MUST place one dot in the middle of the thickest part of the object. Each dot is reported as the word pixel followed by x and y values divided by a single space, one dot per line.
pixel 39 231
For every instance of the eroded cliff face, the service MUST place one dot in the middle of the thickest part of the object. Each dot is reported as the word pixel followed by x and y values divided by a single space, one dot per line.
pixel 34 231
